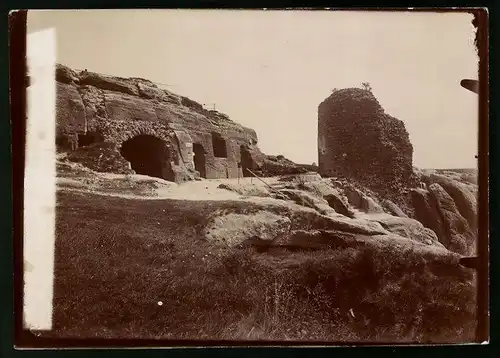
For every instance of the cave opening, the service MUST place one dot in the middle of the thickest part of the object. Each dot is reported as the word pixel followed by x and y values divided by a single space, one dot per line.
pixel 219 145
pixel 246 161
pixel 89 138
pixel 199 159
pixel 148 155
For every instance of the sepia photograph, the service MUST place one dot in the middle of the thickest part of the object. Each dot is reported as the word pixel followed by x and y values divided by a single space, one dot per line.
pixel 253 177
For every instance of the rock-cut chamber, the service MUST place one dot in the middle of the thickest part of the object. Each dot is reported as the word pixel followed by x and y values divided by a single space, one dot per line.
pixel 148 155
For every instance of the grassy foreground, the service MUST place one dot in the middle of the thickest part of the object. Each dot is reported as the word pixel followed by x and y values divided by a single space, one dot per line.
pixel 116 259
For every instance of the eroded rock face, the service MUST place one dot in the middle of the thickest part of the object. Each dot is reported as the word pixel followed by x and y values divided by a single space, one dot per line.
pixel 449 208
pixel 178 139
pixel 427 212
pixel 463 195
pixel 358 140
pixel 461 237
pixel 409 228
pixel 303 198
pixel 393 208
pixel 362 201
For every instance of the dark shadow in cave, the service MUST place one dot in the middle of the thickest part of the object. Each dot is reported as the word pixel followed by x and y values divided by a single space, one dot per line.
pixel 246 161
pixel 219 144
pixel 199 159
pixel 89 138
pixel 148 155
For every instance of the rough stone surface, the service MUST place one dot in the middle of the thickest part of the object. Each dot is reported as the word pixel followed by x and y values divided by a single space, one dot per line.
pixel 409 228
pixel 65 75
pixel 306 199
pixel 333 197
pixel 279 165
pixel 117 110
pixel 465 199
pixel 427 212
pixel 236 229
pixel 358 140
pixel 70 114
pixel 101 157
pixel 461 237
pixel 448 206
pixel 393 208
pixel 362 201
pixel 246 190
pixel 339 205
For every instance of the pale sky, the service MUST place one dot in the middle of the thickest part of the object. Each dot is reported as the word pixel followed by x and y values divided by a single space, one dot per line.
pixel 269 70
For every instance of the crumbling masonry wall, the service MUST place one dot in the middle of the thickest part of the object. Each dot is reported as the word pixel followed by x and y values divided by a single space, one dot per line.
pixel 358 140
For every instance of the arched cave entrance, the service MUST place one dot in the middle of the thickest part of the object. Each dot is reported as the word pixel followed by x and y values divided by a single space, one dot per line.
pixel 199 159
pixel 246 161
pixel 148 155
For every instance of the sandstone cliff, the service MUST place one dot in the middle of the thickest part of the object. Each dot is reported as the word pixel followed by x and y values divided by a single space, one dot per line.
pixel 113 124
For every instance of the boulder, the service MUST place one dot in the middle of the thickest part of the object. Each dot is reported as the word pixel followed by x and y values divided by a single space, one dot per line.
pixel 236 229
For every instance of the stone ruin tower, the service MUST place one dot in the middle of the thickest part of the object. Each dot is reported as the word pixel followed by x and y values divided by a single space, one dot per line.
pixel 357 140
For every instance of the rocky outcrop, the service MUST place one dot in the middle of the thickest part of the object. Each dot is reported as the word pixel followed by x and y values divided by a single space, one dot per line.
pixel 279 165
pixel 246 190
pixel 462 194
pixel 358 140
pixel 461 238
pixel 449 208
pixel 409 228
pixel 311 201
pixel 172 137
pixel 427 212
pixel 234 229
pixel 393 209
pixel 362 202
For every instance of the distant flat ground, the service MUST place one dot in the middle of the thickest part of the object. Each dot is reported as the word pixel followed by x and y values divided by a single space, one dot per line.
pixel 458 170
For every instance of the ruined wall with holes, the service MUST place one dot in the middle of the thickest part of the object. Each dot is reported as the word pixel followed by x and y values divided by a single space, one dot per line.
pixel 96 114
